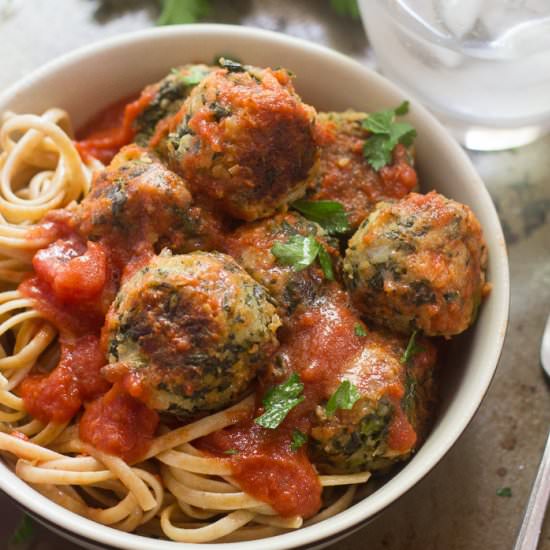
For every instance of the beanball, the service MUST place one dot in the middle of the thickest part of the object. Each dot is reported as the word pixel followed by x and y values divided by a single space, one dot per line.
pixel 187 334
pixel 418 264
pixel 391 415
pixel 251 245
pixel 243 139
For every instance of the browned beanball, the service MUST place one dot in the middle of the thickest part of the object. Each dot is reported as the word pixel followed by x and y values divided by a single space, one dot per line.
pixel 244 140
pixel 418 263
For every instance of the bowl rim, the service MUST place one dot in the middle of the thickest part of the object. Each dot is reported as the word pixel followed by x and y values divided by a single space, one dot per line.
pixel 351 518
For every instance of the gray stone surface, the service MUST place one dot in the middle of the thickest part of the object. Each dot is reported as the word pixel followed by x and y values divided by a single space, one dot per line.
pixel 456 506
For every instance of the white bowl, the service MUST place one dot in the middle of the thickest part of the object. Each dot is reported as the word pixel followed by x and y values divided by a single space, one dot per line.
pixel 85 81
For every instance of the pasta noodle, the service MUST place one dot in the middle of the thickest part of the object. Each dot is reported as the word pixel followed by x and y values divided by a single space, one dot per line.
pixel 176 490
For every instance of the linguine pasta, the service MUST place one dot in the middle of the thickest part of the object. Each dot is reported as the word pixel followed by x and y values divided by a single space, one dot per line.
pixel 175 491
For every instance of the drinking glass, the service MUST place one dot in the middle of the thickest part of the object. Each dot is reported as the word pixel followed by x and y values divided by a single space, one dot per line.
pixel 481 66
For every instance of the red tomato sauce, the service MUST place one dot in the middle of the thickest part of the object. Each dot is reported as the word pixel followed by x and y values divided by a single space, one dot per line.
pixel 401 435
pixel 76 272
pixel 323 366
pixel 68 285
pixel 350 180
pixel 119 424
pixel 265 464
pixel 70 278
pixel 331 326
pixel 112 128
pixel 58 396
pixel 73 285
pixel 267 468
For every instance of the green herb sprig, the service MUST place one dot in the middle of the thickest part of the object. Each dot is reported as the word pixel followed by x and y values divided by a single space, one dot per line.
pixel 412 349
pixel 24 532
pixel 180 12
pixel 193 78
pixel 330 215
pixel 231 65
pixel 298 439
pixel 279 401
pixel 359 330
pixel 344 397
pixel 325 263
pixel 300 252
pixel 504 492
pixel 386 134
pixel 348 8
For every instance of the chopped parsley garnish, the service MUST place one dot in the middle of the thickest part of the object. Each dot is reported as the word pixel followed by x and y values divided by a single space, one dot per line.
pixel 279 401
pixel 343 398
pixel 504 492
pixel 194 76
pixel 298 439
pixel 230 65
pixel 300 252
pixel 386 134
pixel 412 349
pixel 231 452
pixel 330 215
pixel 359 330
pixel 347 8
pixel 24 532
pixel 179 12
pixel 326 263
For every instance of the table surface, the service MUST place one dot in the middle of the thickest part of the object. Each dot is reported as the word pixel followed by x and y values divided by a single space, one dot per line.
pixel 456 506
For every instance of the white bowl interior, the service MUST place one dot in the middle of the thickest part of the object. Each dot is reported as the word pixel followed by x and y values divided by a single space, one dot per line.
pixel 91 78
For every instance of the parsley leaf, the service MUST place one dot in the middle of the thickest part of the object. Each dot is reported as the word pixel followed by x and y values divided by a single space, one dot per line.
pixel 300 252
pixel 24 531
pixel 359 330
pixel 404 133
pixel 192 78
pixel 231 452
pixel 326 263
pixel 230 65
pixel 377 150
pixel 178 12
pixel 346 8
pixel 279 400
pixel 504 492
pixel 380 122
pixel 386 134
pixel 412 349
pixel 298 439
pixel 330 215
pixel 402 109
pixel 343 398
